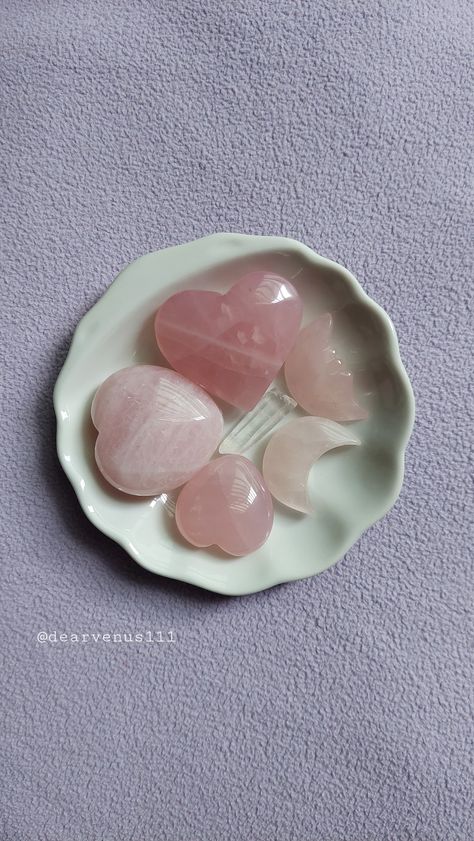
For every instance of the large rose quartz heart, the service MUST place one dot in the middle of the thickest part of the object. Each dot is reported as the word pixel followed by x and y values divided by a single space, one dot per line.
pixel 156 429
pixel 227 504
pixel 233 345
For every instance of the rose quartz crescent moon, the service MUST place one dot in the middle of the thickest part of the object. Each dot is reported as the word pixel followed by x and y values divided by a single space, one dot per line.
pixel 156 429
pixel 317 379
pixel 233 345
pixel 226 504
pixel 292 451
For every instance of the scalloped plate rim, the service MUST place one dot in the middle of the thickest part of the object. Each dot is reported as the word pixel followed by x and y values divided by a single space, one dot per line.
pixel 270 243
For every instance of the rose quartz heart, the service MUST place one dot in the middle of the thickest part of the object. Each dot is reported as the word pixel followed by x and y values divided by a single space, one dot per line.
pixel 226 504
pixel 233 345
pixel 156 429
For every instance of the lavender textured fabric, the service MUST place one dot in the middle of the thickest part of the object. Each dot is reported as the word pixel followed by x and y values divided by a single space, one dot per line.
pixel 332 709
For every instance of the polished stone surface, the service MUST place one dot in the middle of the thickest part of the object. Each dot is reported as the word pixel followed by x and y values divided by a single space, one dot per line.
pixel 228 505
pixel 234 344
pixel 292 451
pixel 156 429
pixel 317 379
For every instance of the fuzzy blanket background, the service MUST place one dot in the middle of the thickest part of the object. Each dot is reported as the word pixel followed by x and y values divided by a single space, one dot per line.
pixel 333 709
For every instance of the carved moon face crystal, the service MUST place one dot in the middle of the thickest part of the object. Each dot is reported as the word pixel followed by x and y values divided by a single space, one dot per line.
pixel 317 379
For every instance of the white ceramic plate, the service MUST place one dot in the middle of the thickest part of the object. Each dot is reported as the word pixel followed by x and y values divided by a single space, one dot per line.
pixel 352 487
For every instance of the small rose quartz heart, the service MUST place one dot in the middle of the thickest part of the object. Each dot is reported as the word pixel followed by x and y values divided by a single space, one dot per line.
pixel 233 345
pixel 156 429
pixel 226 504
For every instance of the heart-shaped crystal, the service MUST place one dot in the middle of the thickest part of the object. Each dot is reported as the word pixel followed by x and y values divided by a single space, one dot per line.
pixel 233 345
pixel 156 429
pixel 226 504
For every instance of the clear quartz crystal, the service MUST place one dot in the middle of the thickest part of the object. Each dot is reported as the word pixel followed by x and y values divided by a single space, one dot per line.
pixel 168 500
pixel 252 428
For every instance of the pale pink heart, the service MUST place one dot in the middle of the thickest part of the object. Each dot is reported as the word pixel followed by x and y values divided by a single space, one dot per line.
pixel 317 379
pixel 226 504
pixel 292 451
pixel 233 345
pixel 156 429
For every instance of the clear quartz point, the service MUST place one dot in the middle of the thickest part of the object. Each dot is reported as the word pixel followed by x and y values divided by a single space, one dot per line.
pixel 168 501
pixel 252 428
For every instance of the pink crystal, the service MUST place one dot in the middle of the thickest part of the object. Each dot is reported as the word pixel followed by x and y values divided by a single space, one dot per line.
pixel 292 451
pixel 227 504
pixel 317 379
pixel 156 429
pixel 233 345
